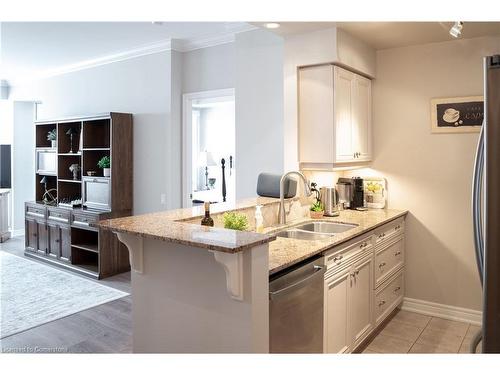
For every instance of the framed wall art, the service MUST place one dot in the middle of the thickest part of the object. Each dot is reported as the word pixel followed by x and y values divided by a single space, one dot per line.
pixel 457 115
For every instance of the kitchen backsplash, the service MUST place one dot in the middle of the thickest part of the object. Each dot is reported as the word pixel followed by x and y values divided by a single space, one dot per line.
pixel 295 209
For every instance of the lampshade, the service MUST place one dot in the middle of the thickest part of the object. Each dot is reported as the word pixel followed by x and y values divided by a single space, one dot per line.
pixel 206 159
pixel 43 180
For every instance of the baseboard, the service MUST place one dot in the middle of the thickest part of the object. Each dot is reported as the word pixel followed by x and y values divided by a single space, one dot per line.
pixel 17 232
pixel 438 310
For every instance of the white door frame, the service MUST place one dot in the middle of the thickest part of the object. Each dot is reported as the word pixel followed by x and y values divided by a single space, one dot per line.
pixel 187 102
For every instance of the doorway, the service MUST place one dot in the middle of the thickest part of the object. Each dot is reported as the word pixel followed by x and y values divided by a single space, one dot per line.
pixel 208 147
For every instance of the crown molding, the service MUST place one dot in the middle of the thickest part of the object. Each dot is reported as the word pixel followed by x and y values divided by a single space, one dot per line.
pixel 186 45
pixel 180 45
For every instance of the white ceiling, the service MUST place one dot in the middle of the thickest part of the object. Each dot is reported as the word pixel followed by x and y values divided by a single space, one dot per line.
pixel 30 49
pixel 383 35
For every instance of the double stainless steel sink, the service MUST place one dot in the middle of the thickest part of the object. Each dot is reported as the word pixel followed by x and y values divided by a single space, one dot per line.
pixel 315 230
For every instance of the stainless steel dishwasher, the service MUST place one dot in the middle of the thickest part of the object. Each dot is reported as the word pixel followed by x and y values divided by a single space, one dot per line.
pixel 296 309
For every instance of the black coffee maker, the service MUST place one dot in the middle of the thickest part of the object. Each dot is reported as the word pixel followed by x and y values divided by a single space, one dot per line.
pixel 357 193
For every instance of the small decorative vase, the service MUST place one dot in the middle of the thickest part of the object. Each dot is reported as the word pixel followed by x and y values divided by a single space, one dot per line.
pixel 316 214
pixel 53 144
pixel 106 172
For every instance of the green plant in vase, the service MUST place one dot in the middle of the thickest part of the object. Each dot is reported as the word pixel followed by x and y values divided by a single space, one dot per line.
pixel 236 221
pixel 52 137
pixel 316 210
pixel 105 164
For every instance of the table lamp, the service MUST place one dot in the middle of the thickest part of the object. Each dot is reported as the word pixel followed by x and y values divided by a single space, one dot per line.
pixel 206 159
pixel 71 132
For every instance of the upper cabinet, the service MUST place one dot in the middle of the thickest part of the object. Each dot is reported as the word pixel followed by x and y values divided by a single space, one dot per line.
pixel 334 117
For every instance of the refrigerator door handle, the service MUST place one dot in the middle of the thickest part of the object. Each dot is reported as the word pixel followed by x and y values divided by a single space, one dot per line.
pixel 476 204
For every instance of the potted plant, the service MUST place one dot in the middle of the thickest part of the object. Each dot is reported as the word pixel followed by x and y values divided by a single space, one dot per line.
pixel 52 136
pixel 317 210
pixel 236 221
pixel 105 164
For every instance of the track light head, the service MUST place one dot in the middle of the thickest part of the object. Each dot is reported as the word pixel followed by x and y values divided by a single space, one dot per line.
pixel 456 29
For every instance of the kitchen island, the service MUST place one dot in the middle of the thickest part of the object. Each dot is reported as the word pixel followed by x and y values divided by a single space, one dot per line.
pixel 197 289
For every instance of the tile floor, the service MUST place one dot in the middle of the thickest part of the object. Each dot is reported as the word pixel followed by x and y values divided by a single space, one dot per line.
pixel 408 332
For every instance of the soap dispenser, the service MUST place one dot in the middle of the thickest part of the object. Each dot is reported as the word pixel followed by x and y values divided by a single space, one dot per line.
pixel 259 220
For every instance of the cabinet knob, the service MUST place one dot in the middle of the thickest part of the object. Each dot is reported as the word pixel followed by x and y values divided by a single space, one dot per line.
pixel 381 265
pixel 338 259
pixel 397 253
pixel 381 303
pixel 398 288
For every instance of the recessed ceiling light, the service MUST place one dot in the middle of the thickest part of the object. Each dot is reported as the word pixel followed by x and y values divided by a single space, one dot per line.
pixel 272 25
pixel 456 29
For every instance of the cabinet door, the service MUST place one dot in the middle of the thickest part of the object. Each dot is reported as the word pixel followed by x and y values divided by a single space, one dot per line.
pixel 316 134
pixel 54 241
pixel 43 237
pixel 65 243
pixel 31 234
pixel 360 298
pixel 343 109
pixel 362 127
pixel 337 339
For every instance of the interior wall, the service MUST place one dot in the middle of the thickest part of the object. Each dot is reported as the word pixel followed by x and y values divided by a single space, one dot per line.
pixel 430 174
pixel 141 86
pixel 23 161
pixel 210 68
pixel 259 108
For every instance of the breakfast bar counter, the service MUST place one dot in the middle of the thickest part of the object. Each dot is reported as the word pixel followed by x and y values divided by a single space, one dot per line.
pixel 191 283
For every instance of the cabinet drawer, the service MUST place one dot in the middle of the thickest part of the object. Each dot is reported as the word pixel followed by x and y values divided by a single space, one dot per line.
pixel 388 231
pixel 340 257
pixel 388 296
pixel 58 215
pixel 84 220
pixel 388 259
pixel 35 211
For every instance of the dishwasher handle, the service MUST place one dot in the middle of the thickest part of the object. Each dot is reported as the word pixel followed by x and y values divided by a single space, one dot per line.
pixel 317 270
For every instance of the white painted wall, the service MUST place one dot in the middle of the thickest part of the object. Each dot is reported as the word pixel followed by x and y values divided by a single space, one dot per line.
pixel 259 108
pixel 23 160
pixel 210 68
pixel 253 65
pixel 141 86
pixel 430 174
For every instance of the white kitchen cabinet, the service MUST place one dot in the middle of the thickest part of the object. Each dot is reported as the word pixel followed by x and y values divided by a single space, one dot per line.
pixel 334 117
pixel 361 302
pixel 337 338
pixel 349 306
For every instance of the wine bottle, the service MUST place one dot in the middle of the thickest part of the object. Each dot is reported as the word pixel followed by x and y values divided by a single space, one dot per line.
pixel 207 220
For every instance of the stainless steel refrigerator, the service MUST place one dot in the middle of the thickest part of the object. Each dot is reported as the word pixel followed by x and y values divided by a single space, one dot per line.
pixel 486 209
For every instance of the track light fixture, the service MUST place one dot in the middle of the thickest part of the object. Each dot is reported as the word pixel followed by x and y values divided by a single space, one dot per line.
pixel 456 29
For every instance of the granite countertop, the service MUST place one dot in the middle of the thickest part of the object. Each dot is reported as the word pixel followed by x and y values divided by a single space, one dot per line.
pixel 285 252
pixel 172 226
pixel 169 226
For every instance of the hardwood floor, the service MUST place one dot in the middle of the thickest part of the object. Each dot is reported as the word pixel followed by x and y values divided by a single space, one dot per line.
pixel 106 328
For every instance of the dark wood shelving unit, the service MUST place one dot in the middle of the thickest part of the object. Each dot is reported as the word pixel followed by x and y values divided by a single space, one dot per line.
pixel 66 236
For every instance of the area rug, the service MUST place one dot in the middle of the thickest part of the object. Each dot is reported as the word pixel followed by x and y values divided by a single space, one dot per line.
pixel 32 294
